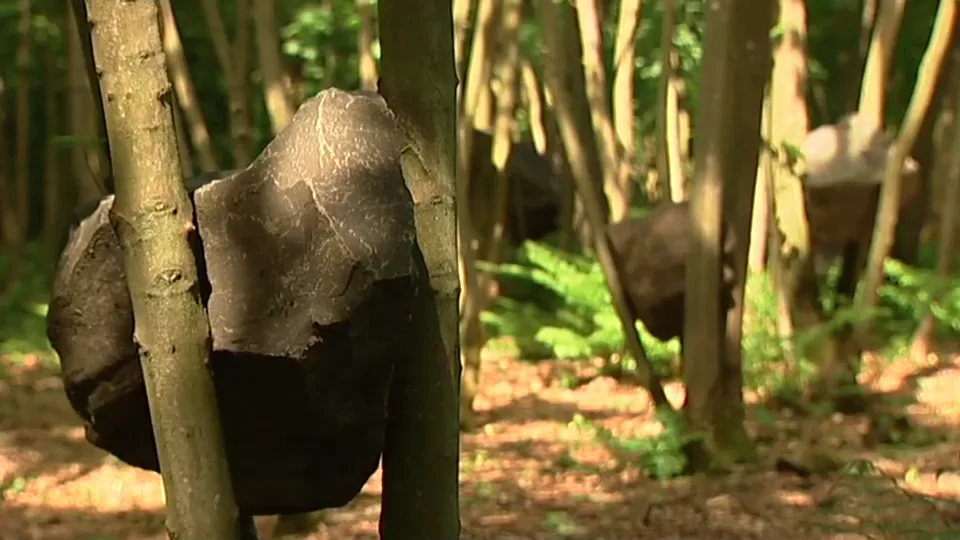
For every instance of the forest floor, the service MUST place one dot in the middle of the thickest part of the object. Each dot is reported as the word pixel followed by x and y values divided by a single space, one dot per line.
pixel 537 470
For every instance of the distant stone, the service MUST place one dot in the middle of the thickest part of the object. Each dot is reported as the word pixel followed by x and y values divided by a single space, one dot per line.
pixel 534 191
pixel 309 272
pixel 844 166
pixel 651 254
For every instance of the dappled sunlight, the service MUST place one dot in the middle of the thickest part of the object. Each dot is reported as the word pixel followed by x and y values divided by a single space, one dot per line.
pixel 705 254
pixel 524 475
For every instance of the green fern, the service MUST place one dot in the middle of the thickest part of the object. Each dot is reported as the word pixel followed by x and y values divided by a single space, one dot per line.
pixel 911 293
pixel 561 308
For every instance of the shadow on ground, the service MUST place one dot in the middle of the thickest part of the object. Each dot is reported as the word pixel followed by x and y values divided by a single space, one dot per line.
pixel 530 473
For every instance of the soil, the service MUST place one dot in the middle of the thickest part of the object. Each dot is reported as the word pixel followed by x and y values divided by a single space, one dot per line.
pixel 537 470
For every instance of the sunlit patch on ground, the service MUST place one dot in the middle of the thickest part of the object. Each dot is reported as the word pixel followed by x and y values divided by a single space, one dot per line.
pixel 536 469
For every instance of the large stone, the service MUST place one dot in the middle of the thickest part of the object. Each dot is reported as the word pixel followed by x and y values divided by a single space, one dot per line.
pixel 854 150
pixel 534 191
pixel 309 272
pixel 651 254
pixel 845 213
pixel 844 165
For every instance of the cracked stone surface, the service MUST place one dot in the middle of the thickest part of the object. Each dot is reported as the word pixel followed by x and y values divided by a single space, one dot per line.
pixel 308 273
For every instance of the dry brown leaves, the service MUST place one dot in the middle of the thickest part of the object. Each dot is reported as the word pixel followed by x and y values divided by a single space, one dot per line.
pixel 529 473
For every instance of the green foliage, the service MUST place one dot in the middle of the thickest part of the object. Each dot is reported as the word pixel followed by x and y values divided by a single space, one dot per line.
pixel 319 49
pixel 557 305
pixel 907 295
pixel 910 293
pixel 323 41
pixel 763 348
pixel 660 456
pixel 688 43
pixel 23 307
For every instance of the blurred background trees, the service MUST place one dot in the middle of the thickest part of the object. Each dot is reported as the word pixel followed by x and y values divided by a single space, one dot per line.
pixel 572 115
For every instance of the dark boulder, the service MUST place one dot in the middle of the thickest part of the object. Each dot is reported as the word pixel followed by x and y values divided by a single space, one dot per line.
pixel 534 191
pixel 841 214
pixel 310 274
pixel 843 169
pixel 651 256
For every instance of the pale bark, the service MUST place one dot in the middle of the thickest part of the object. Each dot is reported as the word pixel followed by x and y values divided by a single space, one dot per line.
pixel 624 59
pixel 279 106
pixel 670 142
pixel 941 160
pixel 565 85
pixel 535 106
pixel 367 13
pixel 946 247
pixel 500 154
pixel 876 70
pixel 461 35
pixel 155 222
pixel 919 212
pixel 595 77
pixel 792 260
pixel 86 158
pixel 471 294
pixel 888 207
pixel 586 169
pixel 506 105
pixel 183 85
pixel 234 61
pixel 760 220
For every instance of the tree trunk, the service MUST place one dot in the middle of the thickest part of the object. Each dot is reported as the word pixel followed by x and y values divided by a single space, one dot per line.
pixel 6 214
pixel 506 105
pixel 461 35
pixel 868 16
pixel 595 85
pixel 735 68
pixel 501 145
pixel 329 54
pixel 98 118
pixel 565 81
pixel 87 159
pixel 585 166
pixel 623 65
pixel 750 73
pixel 239 99
pixel 279 107
pixel 879 56
pixel 153 218
pixel 535 107
pixel 17 233
pixel 794 278
pixel 183 85
pixel 889 204
pixel 367 13
pixel 421 452
pixel 760 220
pixel 946 248
pixel 669 142
pixel 914 216
pixel 471 297
pixel 183 145
pixel 234 61
pixel 53 192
